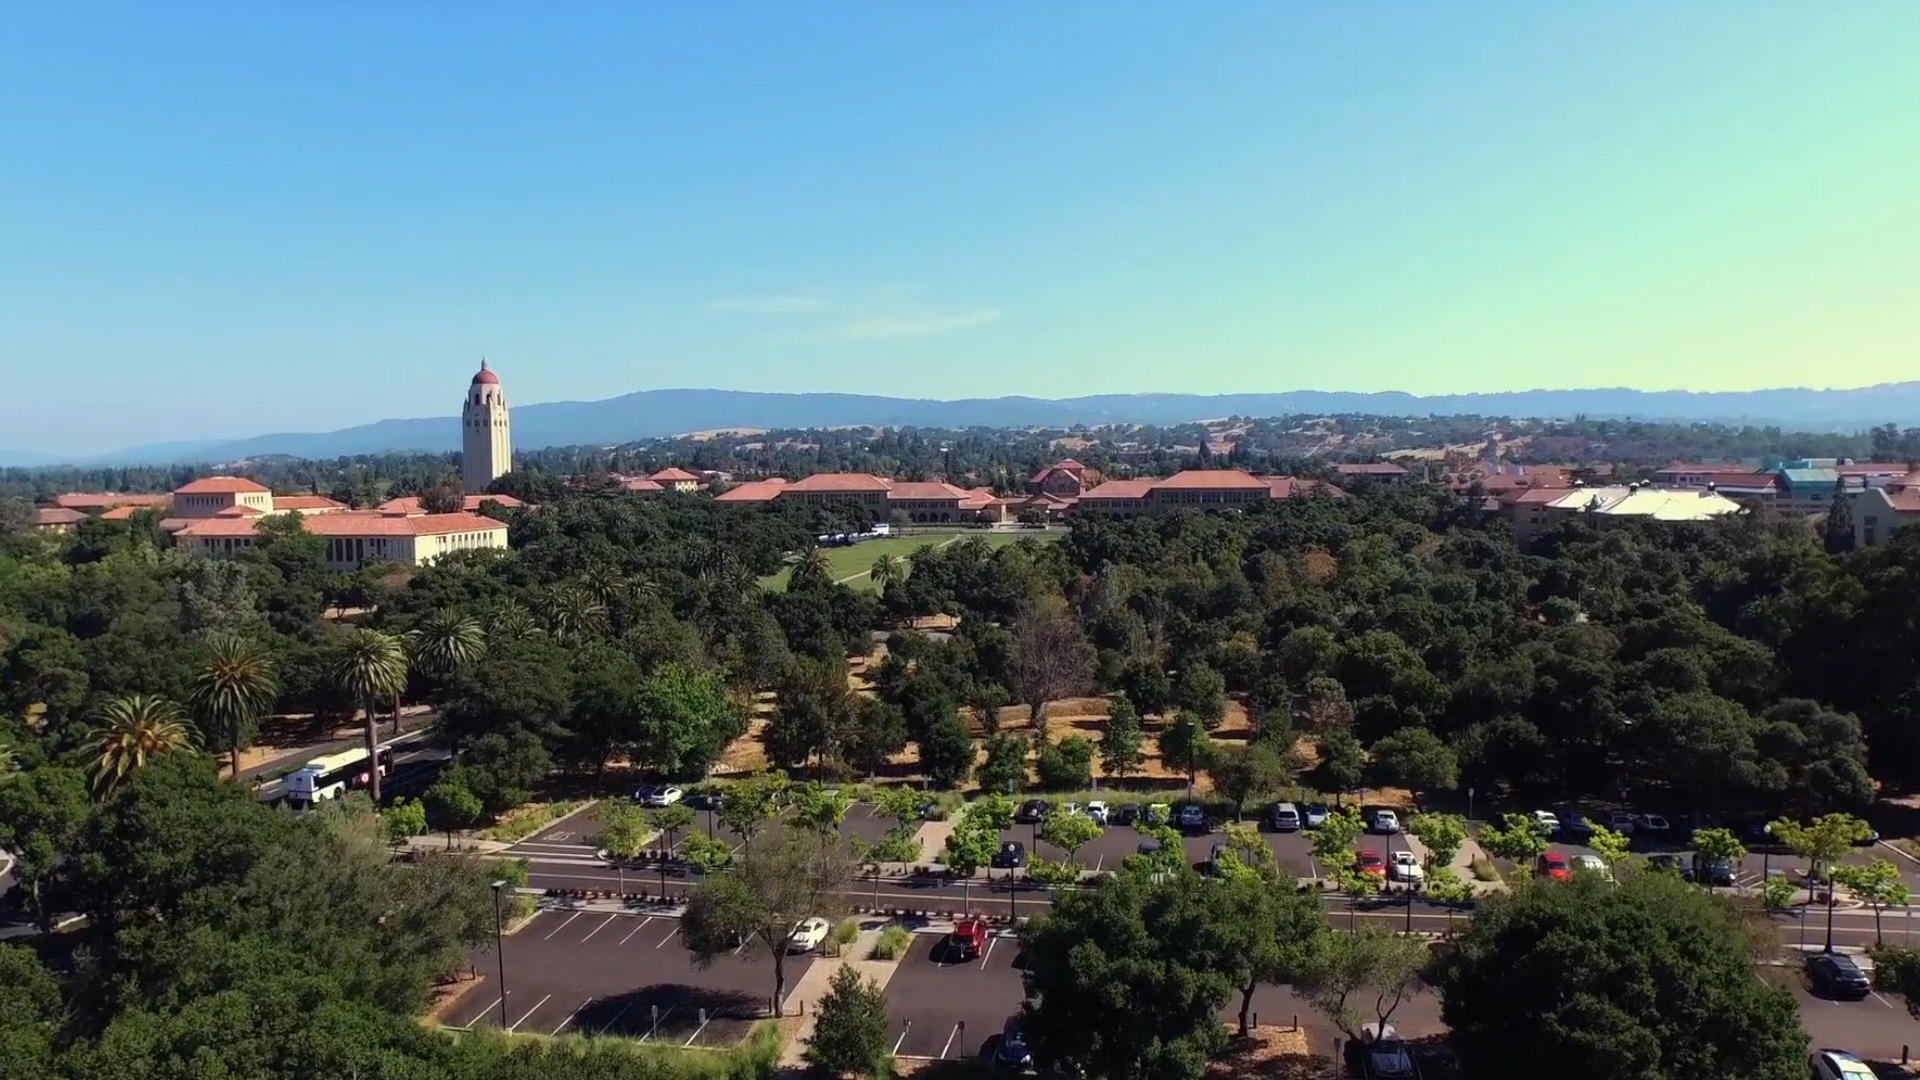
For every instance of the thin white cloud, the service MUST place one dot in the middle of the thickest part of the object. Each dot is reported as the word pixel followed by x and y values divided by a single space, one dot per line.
pixel 915 324
pixel 783 304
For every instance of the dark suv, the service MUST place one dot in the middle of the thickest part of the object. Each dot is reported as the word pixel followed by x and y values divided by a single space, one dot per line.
pixel 1835 975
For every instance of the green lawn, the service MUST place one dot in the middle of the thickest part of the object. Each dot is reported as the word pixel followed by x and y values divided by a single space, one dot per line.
pixel 849 565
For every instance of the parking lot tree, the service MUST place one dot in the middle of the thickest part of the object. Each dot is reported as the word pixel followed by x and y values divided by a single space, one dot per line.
pixel 1342 763
pixel 1614 847
pixel 1274 928
pixel 1186 746
pixel 850 1027
pixel 1876 884
pixel 1896 969
pixel 1356 886
pixel 771 886
pixel 968 849
pixel 820 810
pixel 451 805
pixel 1202 691
pixel 403 820
pixel 752 804
pixel 1361 977
pixel 1824 753
pixel 1777 893
pixel 624 834
pixel 42 814
pixel 1246 853
pixel 1822 844
pixel 947 753
pixel 1246 772
pixel 1333 841
pixel 670 821
pixel 900 805
pixel 1005 770
pixel 1563 981
pixel 1122 752
pixel 706 854
pixel 1444 886
pixel 1157 952
pixel 1441 834
pixel 1719 844
pixel 1066 765
pixel 1070 832
pixel 1518 838
pixel 1416 759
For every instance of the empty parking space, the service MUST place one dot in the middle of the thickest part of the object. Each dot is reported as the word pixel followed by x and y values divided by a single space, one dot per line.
pixel 600 973
pixel 939 1006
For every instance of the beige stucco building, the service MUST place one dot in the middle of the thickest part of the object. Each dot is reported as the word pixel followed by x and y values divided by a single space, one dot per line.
pixel 354 537
pixel 486 439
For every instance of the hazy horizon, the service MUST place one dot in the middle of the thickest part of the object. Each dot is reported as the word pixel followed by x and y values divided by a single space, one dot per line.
pixel 233 221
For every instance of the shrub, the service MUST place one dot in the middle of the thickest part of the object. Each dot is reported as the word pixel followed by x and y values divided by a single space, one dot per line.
pixel 894 942
pixel 850 1029
pixel 1066 765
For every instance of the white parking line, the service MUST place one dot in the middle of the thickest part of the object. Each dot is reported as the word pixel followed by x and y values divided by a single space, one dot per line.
pixel 950 1037
pixel 902 1038
pixel 608 1026
pixel 987 955
pixel 486 1012
pixel 597 929
pixel 570 1016
pixel 656 1023
pixel 669 937
pixel 742 947
pixel 1880 999
pixel 698 1030
pixel 529 1012
pixel 562 926
pixel 636 930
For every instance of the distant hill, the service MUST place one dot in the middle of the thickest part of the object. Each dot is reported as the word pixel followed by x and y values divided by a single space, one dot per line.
pixel 652 413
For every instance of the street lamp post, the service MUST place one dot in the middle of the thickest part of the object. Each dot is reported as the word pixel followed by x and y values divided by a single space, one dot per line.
pixel 499 950
pixel 1013 885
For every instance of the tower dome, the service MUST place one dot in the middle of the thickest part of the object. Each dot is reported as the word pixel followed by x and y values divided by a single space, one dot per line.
pixel 485 374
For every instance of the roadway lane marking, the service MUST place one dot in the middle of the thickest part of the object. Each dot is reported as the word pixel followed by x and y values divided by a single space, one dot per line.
pixel 698 1030
pixel 985 956
pixel 950 1038
pixel 635 930
pixel 597 929
pixel 562 926
pixel 902 1038
pixel 529 1012
pixel 670 937
pixel 570 1016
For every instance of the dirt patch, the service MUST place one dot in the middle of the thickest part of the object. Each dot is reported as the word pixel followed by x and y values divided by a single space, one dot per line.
pixel 1268 1051
pixel 448 995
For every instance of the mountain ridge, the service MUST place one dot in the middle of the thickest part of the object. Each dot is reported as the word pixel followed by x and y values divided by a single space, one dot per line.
pixel 656 413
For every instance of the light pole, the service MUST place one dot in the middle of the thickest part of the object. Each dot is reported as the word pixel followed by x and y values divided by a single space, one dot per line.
pixel 500 951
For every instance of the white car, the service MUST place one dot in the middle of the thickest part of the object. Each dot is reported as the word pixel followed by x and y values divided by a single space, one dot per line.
pixel 1070 808
pixel 1547 821
pixel 1839 1065
pixel 1097 811
pixel 664 795
pixel 808 934
pixel 1403 866
pixel 1591 864
pixel 1386 822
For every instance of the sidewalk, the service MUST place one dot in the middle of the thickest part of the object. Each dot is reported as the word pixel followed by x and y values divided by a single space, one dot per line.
pixel 1462 865
pixel 806 994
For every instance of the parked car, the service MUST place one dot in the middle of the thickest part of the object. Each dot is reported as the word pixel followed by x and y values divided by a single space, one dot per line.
pixel 1370 862
pixel 1552 865
pixel 1380 1053
pixel 706 800
pixel 1097 812
pixel 1315 814
pixel 808 934
pixel 1033 812
pixel 1835 975
pixel 1283 817
pixel 969 937
pixel 1574 824
pixel 1386 822
pixel 1591 864
pixel 1667 864
pixel 1213 857
pixel 1839 1065
pixel 664 795
pixel 1192 817
pixel 931 811
pixel 1013 1052
pixel 1403 866
pixel 1546 821
pixel 1126 814
pixel 1712 870
pixel 1011 856
pixel 1155 814
pixel 1621 822
pixel 1653 824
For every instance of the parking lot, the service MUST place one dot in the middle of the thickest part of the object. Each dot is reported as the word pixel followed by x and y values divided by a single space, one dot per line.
pixel 616 974
pixel 1292 851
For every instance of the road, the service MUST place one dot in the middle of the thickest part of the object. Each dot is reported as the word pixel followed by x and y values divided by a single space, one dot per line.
pixel 411 727
pixel 407 752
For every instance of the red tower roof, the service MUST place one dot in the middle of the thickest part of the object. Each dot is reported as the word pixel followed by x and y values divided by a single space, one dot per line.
pixel 484 375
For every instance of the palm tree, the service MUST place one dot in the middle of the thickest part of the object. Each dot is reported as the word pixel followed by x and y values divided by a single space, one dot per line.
pixel 445 643
pixel 234 687
pixel 372 668
pixel 812 567
pixel 887 569
pixel 508 621
pixel 572 613
pixel 132 729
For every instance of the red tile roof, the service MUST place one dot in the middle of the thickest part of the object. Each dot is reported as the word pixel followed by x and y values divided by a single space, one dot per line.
pixel 755 491
pixel 221 485
pixel 237 510
pixel 640 485
pixel 1372 468
pixel 670 475
pixel 910 489
pixel 410 504
pixel 840 483
pixel 49 516
pixel 125 513
pixel 353 523
pixel 1287 487
pixel 86 500
pixel 1680 468
pixel 1532 496
pixel 283 503
pixel 1906 501
pixel 1210 480
pixel 1119 489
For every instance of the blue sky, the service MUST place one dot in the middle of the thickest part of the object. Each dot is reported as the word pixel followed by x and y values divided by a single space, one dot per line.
pixel 224 219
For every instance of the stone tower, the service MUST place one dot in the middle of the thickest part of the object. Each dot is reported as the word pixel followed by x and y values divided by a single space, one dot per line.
pixel 486 442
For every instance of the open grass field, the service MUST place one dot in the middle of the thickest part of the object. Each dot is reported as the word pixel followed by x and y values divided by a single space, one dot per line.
pixel 850 564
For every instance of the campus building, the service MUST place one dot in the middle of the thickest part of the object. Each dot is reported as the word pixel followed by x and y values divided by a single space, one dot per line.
pixel 921 502
pixel 354 537
pixel 1538 511
pixel 1198 489
pixel 486 438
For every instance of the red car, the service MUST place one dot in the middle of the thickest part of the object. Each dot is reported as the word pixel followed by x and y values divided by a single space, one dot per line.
pixel 1370 862
pixel 969 937
pixel 1552 865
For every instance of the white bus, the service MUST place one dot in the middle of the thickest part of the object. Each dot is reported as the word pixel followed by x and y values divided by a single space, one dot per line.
pixel 334 775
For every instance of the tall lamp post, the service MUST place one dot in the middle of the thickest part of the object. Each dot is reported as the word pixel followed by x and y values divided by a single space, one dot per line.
pixel 499 951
